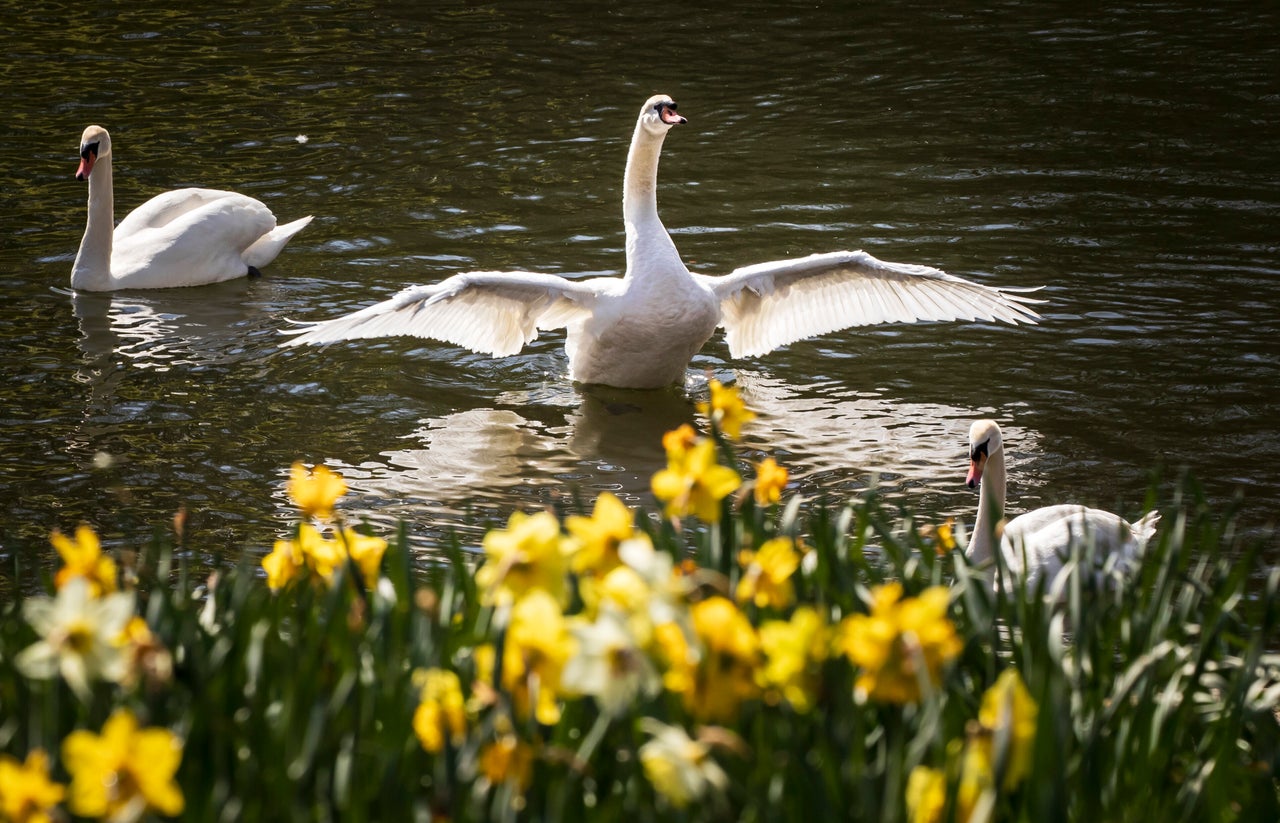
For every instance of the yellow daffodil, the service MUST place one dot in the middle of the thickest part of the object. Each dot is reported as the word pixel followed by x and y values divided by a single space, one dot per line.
pixel 1008 716
pixel 771 479
pixel 926 795
pixel 366 552
pixel 680 768
pixel 124 771
pixel 314 491
pixel 148 659
pixel 725 675
pixel 507 760
pixel 78 636
pixel 726 409
pixel 679 657
pixel 599 535
pixel 766 574
pixel 538 644
pixel 609 664
pixel 694 483
pixel 27 795
pixel 441 713
pixel 679 440
pixel 900 644
pixel 529 554
pixel 83 557
pixel 283 564
pixel 793 649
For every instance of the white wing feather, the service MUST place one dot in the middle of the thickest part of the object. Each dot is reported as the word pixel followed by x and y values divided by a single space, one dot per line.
pixel 772 304
pixel 495 313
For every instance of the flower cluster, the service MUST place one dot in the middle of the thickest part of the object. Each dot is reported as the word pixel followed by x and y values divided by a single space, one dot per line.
pixel 88 634
pixel 319 552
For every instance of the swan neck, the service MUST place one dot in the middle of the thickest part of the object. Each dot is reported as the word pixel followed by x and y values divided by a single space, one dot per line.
pixel 991 497
pixel 92 269
pixel 640 182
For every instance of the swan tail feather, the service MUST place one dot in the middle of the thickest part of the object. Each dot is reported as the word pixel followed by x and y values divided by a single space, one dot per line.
pixel 265 248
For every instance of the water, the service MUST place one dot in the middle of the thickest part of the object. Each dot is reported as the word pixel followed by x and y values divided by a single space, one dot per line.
pixel 1125 160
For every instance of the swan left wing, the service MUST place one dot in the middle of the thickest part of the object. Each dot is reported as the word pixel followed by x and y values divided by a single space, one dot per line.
pixel 772 304
pixel 494 313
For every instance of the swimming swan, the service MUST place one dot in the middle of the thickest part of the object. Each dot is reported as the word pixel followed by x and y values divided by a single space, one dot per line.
pixel 1039 542
pixel 641 330
pixel 185 237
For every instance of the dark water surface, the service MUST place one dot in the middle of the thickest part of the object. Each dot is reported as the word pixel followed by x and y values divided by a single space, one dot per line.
pixel 1129 161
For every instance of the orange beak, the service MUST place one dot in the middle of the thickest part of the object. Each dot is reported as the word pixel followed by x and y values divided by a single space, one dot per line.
pixel 976 465
pixel 86 166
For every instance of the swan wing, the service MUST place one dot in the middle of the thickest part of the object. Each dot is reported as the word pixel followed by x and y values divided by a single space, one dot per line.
pixel 164 208
pixel 491 312
pixel 772 304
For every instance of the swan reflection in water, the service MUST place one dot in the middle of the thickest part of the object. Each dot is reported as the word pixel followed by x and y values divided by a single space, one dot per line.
pixel 468 467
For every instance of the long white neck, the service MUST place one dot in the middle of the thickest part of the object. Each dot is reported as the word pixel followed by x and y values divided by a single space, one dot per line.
pixel 991 493
pixel 92 269
pixel 647 238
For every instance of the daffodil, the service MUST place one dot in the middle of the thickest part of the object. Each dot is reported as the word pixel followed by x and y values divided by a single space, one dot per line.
pixel 901 644
pixel 693 482
pixel 725 674
pixel 1008 716
pixel 83 557
pixel 771 479
pixel 314 491
pixel 366 552
pixel 507 760
pixel 680 768
pixel 441 713
pixel 609 664
pixel 926 795
pixel 598 536
pixel 283 564
pixel 529 554
pixel 148 659
pixel 123 772
pixel 766 574
pixel 726 409
pixel 536 648
pixel 78 636
pixel 792 649
pixel 27 795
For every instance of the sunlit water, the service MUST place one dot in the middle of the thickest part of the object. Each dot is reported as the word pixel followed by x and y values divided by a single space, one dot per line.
pixel 1126 161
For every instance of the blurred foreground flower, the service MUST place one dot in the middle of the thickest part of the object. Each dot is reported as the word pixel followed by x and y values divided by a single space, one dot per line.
pixel 609 665
pixel 766 574
pixel 530 554
pixel 725 672
pixel 83 557
pixel 27 795
pixel 535 649
pixel 1008 717
pixel 693 482
pixel 147 659
pixel 681 769
pixel 901 645
pixel 726 409
pixel 123 772
pixel 78 636
pixel 771 479
pixel 314 491
pixel 793 651
pixel 441 713
pixel 321 556
pixel 597 537
pixel 507 760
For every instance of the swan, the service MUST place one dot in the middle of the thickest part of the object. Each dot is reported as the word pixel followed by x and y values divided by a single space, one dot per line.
pixel 641 330
pixel 184 237
pixel 1037 544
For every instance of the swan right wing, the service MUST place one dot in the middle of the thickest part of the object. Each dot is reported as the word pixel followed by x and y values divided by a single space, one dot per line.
pixel 494 313
pixel 168 206
pixel 772 304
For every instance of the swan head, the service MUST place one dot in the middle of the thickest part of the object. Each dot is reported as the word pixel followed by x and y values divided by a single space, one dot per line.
pixel 984 441
pixel 95 144
pixel 659 115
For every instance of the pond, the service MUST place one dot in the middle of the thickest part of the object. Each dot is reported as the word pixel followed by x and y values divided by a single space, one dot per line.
pixel 1123 160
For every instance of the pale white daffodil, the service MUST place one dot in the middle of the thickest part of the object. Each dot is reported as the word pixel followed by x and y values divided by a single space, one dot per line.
pixel 679 767
pixel 78 636
pixel 610 665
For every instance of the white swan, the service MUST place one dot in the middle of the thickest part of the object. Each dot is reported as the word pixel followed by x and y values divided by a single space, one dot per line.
pixel 640 330
pixel 1038 543
pixel 185 237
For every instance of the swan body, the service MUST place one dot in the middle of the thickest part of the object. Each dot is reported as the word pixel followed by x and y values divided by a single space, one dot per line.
pixel 641 330
pixel 1038 544
pixel 185 237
